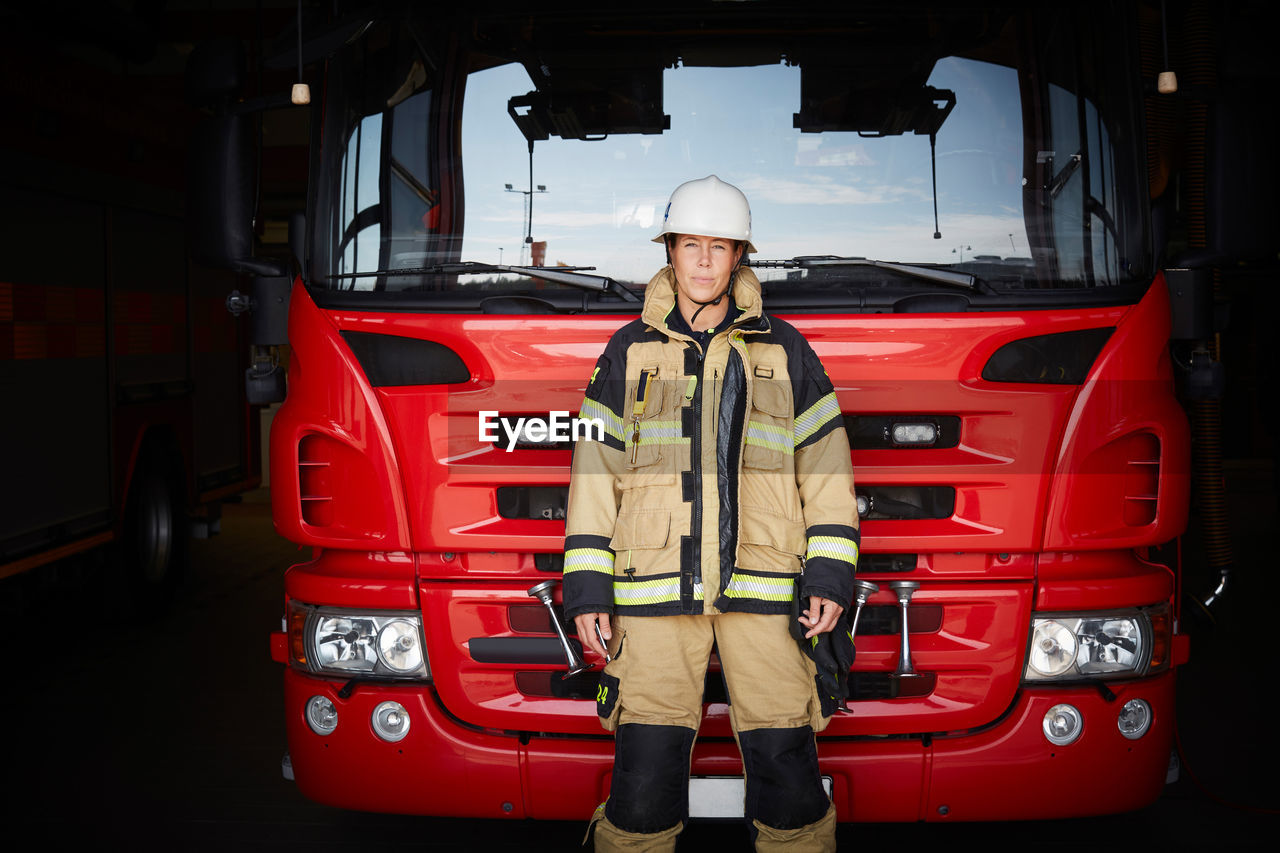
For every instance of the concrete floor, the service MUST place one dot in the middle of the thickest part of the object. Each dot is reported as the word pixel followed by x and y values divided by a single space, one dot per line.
pixel 167 733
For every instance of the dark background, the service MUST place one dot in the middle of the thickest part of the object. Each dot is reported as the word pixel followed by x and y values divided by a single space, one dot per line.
pixel 167 730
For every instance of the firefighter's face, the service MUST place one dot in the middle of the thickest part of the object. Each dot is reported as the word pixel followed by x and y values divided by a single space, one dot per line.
pixel 703 265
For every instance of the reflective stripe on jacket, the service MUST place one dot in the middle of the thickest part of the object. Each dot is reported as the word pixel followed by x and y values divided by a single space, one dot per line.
pixel 719 475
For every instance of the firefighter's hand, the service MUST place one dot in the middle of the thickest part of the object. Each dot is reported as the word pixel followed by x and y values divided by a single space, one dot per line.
pixel 586 623
pixel 819 618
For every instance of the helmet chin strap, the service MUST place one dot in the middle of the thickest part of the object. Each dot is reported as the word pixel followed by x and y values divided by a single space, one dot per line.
pixel 732 276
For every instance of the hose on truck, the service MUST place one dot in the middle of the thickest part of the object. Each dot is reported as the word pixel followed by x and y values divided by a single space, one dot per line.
pixel 1200 39
pixel 1197 58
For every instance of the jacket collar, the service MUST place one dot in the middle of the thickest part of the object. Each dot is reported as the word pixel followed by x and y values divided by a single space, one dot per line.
pixel 660 300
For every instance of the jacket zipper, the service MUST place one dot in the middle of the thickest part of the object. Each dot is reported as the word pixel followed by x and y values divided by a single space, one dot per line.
pixel 696 463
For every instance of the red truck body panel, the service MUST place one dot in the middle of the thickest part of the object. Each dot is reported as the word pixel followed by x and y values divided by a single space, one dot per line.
pixel 493 740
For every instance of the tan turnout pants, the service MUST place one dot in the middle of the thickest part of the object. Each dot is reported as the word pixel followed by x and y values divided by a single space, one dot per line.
pixel 660 663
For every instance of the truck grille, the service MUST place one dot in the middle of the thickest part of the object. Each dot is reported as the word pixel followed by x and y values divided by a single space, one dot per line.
pixel 874 502
pixel 863 686
pixel 875 620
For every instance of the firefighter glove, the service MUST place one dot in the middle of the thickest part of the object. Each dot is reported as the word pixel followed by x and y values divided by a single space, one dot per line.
pixel 832 653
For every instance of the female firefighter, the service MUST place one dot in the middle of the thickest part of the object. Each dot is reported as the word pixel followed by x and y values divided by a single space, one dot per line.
pixel 723 470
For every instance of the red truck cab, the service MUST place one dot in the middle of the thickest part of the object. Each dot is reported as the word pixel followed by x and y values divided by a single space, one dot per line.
pixel 952 208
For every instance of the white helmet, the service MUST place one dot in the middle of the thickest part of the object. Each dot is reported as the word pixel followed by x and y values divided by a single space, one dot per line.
pixel 708 208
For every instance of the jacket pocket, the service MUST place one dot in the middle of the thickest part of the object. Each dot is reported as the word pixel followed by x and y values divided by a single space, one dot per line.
pixel 652 431
pixel 607 707
pixel 770 542
pixel 641 528
pixel 642 543
pixel 769 434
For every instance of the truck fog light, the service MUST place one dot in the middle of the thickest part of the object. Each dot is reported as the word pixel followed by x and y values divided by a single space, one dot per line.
pixel 1134 719
pixel 390 721
pixel 1062 724
pixel 322 716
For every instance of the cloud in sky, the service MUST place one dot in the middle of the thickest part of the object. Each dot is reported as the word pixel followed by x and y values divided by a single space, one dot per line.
pixel 978 234
pixel 550 219
pixel 822 190
pixel 811 151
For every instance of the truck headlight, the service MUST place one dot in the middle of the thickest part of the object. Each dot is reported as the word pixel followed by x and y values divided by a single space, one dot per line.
pixel 350 643
pixel 1086 646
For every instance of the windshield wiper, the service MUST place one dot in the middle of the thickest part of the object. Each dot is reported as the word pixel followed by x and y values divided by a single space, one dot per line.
pixel 560 275
pixel 968 281
pixel 569 276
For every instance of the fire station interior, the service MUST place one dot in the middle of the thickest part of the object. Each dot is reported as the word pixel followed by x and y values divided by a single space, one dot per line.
pixel 153 715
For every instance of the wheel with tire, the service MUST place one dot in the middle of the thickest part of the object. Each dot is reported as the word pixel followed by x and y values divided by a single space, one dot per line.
pixel 155 529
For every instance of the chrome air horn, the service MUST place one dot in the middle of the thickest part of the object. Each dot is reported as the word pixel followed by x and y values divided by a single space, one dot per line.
pixel 862 590
pixel 542 592
pixel 904 589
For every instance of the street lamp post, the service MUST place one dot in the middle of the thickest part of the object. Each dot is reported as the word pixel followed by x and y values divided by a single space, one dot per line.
pixel 528 212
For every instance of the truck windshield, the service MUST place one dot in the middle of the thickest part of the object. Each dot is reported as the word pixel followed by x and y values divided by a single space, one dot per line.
pixel 555 140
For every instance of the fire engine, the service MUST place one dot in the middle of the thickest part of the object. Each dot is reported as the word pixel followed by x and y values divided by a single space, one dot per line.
pixel 126 420
pixel 963 207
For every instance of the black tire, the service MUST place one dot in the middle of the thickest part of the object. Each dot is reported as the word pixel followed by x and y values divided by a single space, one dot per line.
pixel 155 547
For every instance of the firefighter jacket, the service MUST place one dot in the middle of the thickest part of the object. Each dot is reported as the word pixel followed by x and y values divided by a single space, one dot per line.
pixel 720 474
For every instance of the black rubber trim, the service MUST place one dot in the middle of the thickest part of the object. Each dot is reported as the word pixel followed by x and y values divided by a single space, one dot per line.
pixel 1063 358
pixel 519 650
pixel 393 360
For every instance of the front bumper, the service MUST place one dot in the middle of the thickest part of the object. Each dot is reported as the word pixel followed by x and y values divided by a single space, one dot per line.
pixel 1007 771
